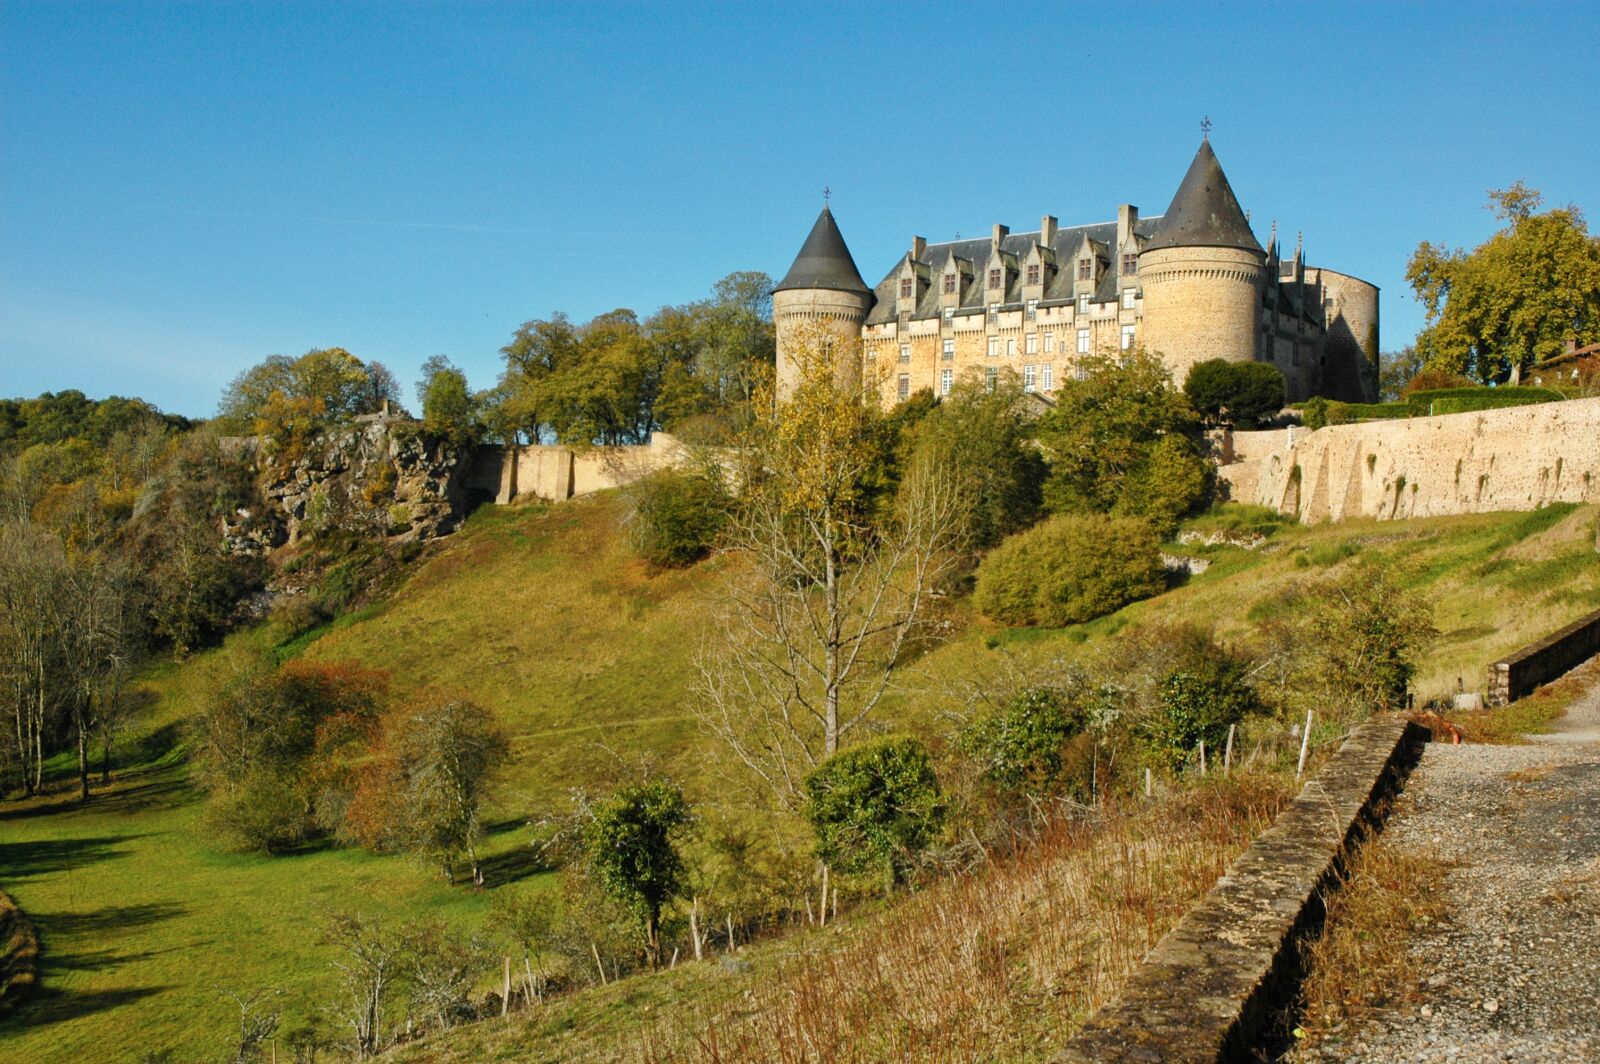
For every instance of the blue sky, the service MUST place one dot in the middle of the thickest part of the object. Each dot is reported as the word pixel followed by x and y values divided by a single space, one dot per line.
pixel 185 189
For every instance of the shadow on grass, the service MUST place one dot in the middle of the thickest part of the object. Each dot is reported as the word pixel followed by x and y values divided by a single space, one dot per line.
pixel 109 920
pixel 138 791
pixel 516 862
pixel 24 860
pixel 47 1005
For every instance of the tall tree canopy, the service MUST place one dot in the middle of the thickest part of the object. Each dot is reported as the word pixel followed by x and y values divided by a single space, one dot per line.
pixel 1514 300
pixel 324 387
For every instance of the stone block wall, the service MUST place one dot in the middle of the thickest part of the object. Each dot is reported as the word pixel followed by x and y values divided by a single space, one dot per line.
pixel 1518 458
pixel 1521 673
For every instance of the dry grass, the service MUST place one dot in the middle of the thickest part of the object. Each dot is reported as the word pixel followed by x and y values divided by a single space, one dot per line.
pixel 995 965
pixel 1360 962
pixel 1513 724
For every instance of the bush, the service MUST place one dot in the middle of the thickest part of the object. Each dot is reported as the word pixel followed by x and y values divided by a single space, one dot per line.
pixel 677 517
pixel 1019 745
pixel 1172 481
pixel 875 807
pixel 1491 399
pixel 1205 691
pixel 632 845
pixel 1069 569
pixel 1314 414
pixel 1244 393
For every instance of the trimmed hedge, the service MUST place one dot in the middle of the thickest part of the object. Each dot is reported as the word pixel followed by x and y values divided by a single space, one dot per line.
pixel 1463 400
pixel 1426 404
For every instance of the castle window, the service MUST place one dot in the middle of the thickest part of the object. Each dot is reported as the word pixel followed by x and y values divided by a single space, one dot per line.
pixel 1083 341
pixel 1085 270
pixel 905 354
pixel 994 310
pixel 1083 304
pixel 872 354
pixel 994 278
pixel 1033 309
pixel 1130 263
pixel 1033 273
pixel 949 351
pixel 1032 344
pixel 905 288
pixel 1011 346
pixel 1129 298
pixel 949 314
pixel 946 379
pixel 1049 377
pixel 994 346
pixel 903 386
pixel 1028 374
pixel 990 375
pixel 1127 337
pixel 949 284
pixel 1049 342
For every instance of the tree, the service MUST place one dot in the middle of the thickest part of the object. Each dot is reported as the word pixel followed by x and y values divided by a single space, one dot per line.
pixel 632 845
pixel 369 958
pixel 99 647
pixel 449 410
pixel 677 516
pixel 811 632
pixel 1104 428
pixel 982 432
pixel 33 573
pixel 331 384
pixel 1516 299
pixel 1018 745
pixel 874 807
pixel 1240 393
pixel 448 754
pixel 1395 371
pixel 1204 689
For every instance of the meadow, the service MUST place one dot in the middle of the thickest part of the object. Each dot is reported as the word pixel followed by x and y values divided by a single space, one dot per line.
pixel 587 657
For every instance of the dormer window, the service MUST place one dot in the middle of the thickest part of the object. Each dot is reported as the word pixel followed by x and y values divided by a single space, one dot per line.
pixel 1085 269
pixel 1033 273
pixel 949 284
pixel 905 287
pixel 1130 263
pixel 994 278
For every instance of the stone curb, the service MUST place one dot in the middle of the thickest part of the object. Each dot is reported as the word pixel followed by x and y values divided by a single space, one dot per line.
pixel 1214 989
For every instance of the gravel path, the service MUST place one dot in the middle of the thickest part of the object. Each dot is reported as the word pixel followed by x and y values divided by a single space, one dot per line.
pixel 1514 973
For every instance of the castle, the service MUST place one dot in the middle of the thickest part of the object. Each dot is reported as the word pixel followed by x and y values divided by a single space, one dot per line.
pixel 1190 285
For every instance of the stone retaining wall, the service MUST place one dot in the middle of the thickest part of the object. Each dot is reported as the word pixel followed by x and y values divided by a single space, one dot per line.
pixel 1214 989
pixel 1519 674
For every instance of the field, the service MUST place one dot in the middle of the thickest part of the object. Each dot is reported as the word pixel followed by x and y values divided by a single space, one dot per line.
pixel 588 658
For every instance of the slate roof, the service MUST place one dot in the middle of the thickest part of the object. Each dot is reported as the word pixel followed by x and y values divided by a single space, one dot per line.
pixel 1204 211
pixel 824 261
pixel 1014 247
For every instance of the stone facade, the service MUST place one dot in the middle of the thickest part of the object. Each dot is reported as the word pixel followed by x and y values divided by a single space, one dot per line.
pixel 1191 285
pixel 1519 458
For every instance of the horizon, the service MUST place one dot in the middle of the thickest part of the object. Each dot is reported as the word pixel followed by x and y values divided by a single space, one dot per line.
pixel 180 199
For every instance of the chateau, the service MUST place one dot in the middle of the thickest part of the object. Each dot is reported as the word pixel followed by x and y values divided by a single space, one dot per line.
pixel 1190 285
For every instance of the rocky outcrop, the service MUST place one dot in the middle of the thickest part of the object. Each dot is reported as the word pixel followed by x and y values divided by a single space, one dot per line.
pixel 377 477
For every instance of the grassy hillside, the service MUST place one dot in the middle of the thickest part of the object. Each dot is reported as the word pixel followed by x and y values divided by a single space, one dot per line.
pixel 588 658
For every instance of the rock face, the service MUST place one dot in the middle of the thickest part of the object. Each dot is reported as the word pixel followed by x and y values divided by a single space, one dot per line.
pixel 375 477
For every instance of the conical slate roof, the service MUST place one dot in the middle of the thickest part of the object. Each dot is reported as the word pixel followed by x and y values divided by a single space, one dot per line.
pixel 824 261
pixel 1205 212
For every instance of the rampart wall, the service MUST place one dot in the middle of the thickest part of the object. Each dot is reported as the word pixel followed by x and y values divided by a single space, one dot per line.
pixel 556 473
pixel 1518 458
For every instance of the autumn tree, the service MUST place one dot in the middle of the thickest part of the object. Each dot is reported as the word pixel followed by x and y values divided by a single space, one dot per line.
pixel 1514 300
pixel 329 385
pixel 836 592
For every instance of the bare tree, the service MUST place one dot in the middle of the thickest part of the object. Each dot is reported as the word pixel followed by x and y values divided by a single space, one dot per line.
pixel 370 959
pixel 840 582
pixel 33 572
pixel 95 627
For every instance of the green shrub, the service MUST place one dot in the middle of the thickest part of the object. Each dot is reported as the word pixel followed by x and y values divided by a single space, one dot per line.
pixel 875 807
pixel 1314 413
pixel 1345 413
pixel 1019 745
pixel 1460 400
pixel 1172 481
pixel 1205 691
pixel 1243 393
pixel 677 517
pixel 632 845
pixel 1069 569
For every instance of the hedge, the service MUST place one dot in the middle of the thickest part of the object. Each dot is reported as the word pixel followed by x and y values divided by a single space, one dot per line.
pixel 1433 402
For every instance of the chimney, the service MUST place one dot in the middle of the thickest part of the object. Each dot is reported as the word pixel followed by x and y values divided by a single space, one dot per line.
pixel 918 246
pixel 1127 218
pixel 1000 233
pixel 1047 230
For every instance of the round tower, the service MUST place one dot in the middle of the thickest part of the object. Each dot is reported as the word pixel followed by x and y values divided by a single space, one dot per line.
pixel 1351 345
pixel 1202 273
pixel 822 287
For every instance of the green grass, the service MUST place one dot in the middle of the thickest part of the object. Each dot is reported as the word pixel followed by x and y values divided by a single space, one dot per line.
pixel 588 657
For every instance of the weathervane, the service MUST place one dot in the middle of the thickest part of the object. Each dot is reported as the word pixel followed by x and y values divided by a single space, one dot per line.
pixel 826 192
pixel 1205 128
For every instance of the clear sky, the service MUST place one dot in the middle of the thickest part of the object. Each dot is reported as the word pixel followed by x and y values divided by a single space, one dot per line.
pixel 187 188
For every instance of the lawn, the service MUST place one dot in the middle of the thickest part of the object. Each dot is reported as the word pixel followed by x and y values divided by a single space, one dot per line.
pixel 587 656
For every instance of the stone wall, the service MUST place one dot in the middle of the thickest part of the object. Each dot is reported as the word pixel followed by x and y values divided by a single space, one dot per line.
pixel 556 473
pixel 1519 674
pixel 1215 987
pixel 1518 458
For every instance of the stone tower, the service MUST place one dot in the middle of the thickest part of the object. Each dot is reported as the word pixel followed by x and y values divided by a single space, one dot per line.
pixel 824 286
pixel 1202 273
